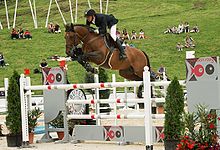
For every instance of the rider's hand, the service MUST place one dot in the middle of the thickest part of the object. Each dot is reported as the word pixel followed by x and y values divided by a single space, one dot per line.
pixel 96 31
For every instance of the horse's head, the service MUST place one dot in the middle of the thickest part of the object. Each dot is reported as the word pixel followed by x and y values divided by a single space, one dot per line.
pixel 75 34
pixel 72 39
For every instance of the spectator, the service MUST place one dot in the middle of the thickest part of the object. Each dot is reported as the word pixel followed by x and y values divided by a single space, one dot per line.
pixel 14 34
pixel 161 70
pixel 21 33
pixel 57 28
pixel 50 27
pixel 118 34
pixel 124 44
pixel 133 35
pixel 179 47
pixel 189 42
pixel 132 45
pixel 2 61
pixel 174 29
pixel 195 29
pixel 27 34
pixel 125 35
pixel 43 63
pixel 186 27
pixel 180 28
pixel 168 30
pixel 141 34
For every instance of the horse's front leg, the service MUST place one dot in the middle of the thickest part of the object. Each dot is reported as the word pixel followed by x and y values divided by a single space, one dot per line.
pixel 82 59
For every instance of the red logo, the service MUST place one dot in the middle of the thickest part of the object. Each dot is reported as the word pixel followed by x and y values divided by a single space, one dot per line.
pixel 198 70
pixel 50 78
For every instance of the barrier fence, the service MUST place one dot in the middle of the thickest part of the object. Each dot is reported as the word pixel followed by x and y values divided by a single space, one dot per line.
pixel 26 88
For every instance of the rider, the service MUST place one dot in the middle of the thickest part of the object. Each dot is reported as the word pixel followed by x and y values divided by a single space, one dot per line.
pixel 103 21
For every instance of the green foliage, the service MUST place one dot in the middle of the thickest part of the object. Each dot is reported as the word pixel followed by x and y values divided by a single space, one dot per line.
pixel 201 130
pixel 13 118
pixel 58 121
pixel 33 115
pixel 174 108
pixel 103 77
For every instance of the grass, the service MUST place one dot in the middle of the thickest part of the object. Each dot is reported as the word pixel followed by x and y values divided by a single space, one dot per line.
pixel 150 15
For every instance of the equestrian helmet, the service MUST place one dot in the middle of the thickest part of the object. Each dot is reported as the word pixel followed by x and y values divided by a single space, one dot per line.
pixel 89 12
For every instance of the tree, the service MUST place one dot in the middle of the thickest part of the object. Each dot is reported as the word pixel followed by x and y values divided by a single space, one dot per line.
pixel 13 118
pixel 174 109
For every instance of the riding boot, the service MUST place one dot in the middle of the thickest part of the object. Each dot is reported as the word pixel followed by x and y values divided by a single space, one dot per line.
pixel 122 54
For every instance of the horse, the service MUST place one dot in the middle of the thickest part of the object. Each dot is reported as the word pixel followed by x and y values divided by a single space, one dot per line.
pixel 96 50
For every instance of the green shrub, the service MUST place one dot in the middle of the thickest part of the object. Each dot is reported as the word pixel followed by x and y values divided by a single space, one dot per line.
pixel 13 118
pixel 174 109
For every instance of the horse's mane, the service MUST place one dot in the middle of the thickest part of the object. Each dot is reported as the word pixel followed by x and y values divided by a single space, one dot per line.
pixel 70 27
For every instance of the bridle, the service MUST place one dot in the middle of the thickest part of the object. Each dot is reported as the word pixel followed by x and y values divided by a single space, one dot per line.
pixel 76 35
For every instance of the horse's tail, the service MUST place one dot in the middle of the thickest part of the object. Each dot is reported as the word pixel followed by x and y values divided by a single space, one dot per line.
pixel 148 61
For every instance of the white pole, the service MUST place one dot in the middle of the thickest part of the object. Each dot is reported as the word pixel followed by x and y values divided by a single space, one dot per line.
pixel 147 110
pixel 106 9
pixel 96 79
pixel 16 7
pixel 64 21
pixel 76 11
pixel 35 14
pixel 71 11
pixel 6 11
pixel 24 111
pixel 1 27
pixel 32 12
pixel 89 4
pixel 115 96
pixel 6 83
pixel 100 6
pixel 126 95
pixel 48 14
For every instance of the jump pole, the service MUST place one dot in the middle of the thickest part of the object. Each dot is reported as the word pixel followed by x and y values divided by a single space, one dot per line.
pixel 76 11
pixel 6 11
pixel 71 11
pixel 64 21
pixel 48 13
pixel 15 13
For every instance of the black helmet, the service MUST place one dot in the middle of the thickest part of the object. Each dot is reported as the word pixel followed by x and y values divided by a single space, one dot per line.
pixel 89 12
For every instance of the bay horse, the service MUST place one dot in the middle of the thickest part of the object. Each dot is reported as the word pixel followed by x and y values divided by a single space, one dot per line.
pixel 96 50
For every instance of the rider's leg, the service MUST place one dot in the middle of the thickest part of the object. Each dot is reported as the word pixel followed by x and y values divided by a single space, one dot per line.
pixel 113 35
pixel 121 49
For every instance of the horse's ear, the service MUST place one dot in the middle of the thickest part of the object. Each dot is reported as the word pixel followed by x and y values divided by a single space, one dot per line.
pixel 72 26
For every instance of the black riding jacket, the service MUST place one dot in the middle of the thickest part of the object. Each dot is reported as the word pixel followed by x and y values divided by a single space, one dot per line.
pixel 103 21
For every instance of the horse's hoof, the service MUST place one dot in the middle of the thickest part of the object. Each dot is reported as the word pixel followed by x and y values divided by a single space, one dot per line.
pixel 95 71
pixel 139 95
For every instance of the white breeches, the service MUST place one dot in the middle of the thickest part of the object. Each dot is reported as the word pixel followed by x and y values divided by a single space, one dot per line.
pixel 113 32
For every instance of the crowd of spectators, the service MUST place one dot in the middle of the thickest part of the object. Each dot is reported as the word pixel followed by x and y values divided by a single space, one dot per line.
pixel 182 28
pixel 124 35
pixel 53 28
pixel 20 34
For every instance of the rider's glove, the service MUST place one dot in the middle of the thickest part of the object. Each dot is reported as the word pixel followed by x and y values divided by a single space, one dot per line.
pixel 96 31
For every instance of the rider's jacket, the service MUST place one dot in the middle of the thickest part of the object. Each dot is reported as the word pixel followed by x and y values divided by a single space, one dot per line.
pixel 103 21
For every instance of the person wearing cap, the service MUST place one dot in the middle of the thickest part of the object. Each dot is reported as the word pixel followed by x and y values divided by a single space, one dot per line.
pixel 103 21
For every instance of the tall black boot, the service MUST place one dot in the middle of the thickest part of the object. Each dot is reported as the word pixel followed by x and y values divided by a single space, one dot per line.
pixel 122 54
